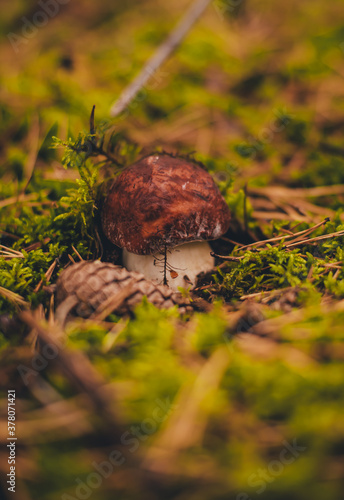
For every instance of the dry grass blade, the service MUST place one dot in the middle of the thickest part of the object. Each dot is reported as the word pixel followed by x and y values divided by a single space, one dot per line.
pixel 297 240
pixel 267 348
pixel 270 215
pixel 33 140
pixel 37 245
pixel 228 258
pixel 8 253
pixel 65 308
pixel 13 297
pixel 305 206
pixel 336 274
pixel 9 235
pixel 271 327
pixel 187 424
pixel 48 275
pixel 284 237
pixel 265 293
pixel 80 372
pixel 160 56
pixel 112 303
pixel 20 199
pixel 57 418
pixel 70 423
pixel 283 192
pixel 71 259
pixel 77 253
pixel 112 336
pixel 236 243
pixel 51 317
pixel 314 240
pixel 281 203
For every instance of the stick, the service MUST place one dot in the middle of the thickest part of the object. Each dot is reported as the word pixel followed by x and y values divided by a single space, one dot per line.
pixel 80 372
pixel 162 53
pixel 285 237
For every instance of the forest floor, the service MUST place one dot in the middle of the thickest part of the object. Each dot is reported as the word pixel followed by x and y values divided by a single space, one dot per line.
pixel 244 399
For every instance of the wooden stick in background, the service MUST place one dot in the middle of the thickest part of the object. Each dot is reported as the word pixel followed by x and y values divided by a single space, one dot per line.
pixel 162 53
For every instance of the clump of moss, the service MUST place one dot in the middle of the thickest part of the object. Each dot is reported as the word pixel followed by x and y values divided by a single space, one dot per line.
pixel 46 224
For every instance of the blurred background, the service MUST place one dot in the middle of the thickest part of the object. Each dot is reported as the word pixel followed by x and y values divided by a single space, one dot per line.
pixel 257 91
pixel 244 66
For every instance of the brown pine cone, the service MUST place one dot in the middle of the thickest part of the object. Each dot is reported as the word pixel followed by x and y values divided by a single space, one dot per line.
pixel 96 289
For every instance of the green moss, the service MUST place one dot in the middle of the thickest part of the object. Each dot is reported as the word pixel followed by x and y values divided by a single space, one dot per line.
pixel 256 90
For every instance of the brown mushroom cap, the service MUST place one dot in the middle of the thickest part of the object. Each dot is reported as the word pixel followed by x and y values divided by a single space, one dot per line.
pixel 162 200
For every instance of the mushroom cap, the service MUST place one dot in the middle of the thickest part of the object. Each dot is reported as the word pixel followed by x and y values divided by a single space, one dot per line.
pixel 163 201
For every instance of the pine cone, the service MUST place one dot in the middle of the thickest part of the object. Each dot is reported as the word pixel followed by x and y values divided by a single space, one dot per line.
pixel 91 288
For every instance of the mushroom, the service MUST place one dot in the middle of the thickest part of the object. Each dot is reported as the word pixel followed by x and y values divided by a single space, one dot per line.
pixel 162 211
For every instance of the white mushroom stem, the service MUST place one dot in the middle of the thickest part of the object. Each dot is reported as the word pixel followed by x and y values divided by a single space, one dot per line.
pixel 184 263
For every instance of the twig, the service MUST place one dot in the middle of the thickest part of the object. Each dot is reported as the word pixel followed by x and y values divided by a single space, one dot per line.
pixel 163 52
pixel 38 244
pixel 9 235
pixel 21 199
pixel 283 192
pixel 317 238
pixel 13 297
pixel 285 237
pixel 48 275
pixel 226 257
pixel 298 241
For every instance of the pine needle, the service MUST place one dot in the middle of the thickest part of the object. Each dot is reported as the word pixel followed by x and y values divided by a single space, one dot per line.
pixel 284 237
pixel 159 57
pixel 13 297
pixel 8 253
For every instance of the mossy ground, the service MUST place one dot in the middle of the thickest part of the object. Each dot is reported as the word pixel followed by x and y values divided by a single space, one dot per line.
pixel 205 406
